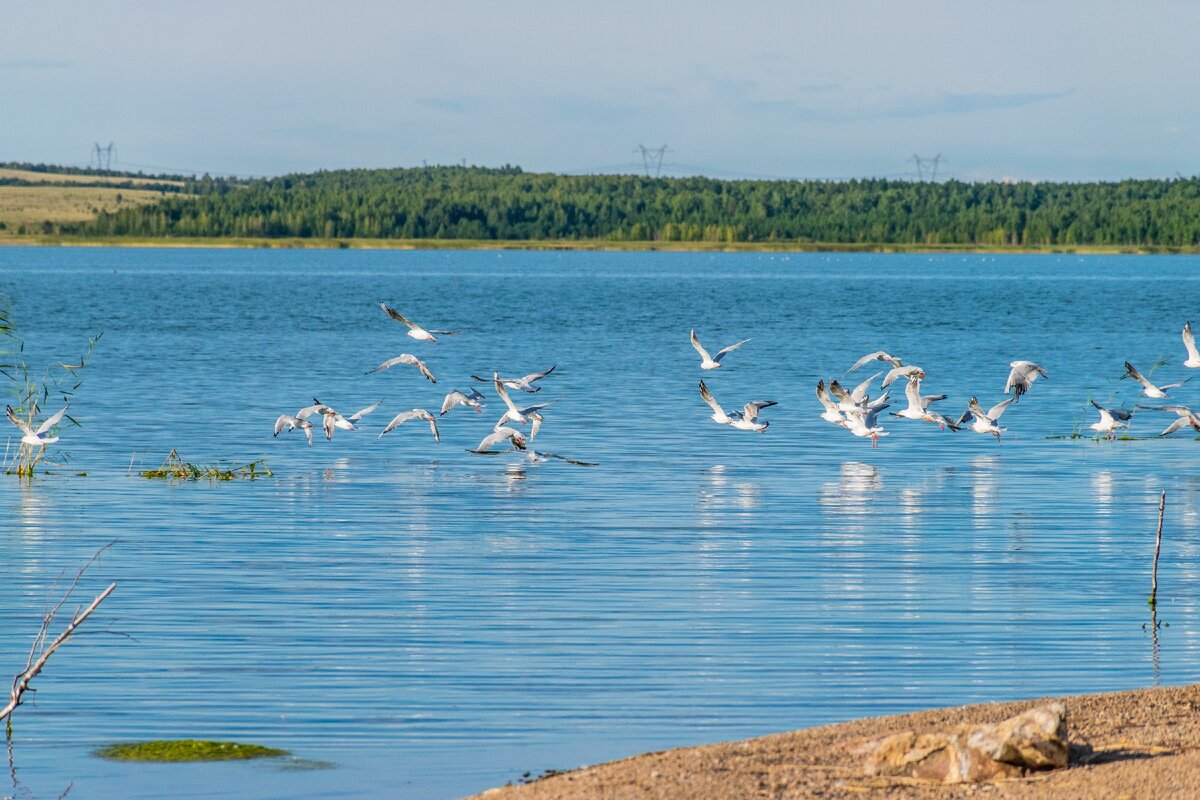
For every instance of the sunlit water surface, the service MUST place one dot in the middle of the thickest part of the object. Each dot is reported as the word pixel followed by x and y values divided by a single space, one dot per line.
pixel 435 622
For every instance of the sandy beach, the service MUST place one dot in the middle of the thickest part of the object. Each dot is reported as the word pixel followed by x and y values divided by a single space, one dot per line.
pixel 1135 744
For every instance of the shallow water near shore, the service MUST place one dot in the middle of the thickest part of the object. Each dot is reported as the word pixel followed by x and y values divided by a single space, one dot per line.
pixel 436 622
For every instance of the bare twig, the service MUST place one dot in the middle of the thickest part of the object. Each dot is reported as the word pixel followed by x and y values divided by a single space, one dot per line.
pixel 39 651
pixel 1162 504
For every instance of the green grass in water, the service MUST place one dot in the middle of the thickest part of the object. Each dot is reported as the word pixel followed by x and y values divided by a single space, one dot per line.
pixel 187 750
pixel 175 468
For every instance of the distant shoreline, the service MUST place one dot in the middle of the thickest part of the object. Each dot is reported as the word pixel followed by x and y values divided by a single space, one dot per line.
pixel 596 245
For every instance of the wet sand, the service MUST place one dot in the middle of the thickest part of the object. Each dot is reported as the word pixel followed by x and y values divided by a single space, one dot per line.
pixel 1136 744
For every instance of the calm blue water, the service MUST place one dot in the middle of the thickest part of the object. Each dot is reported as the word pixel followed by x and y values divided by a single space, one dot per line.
pixel 436 622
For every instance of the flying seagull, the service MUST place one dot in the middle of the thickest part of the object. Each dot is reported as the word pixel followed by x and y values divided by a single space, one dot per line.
pixel 831 413
pixel 416 413
pixel 1189 341
pixel 862 422
pixel 1148 388
pixel 713 362
pixel 514 436
pixel 405 358
pixel 1186 417
pixel 333 419
pixel 415 330
pixel 878 355
pixel 745 420
pixel 1023 374
pixel 524 384
pixel 456 398
pixel 291 423
pixel 985 422
pixel 918 406
pixel 514 414
pixel 36 437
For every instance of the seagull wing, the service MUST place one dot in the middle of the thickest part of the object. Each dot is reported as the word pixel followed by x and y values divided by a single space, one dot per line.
pixel 50 423
pixel 699 347
pixel 391 362
pixel 841 394
pixel 424 370
pixel 1189 341
pixel 706 395
pixel 400 419
pixel 448 333
pixel 912 393
pixel 503 394
pixel 327 423
pixel 452 399
pixel 878 355
pixel 285 421
pixel 860 391
pixel 823 396
pixel 1137 376
pixel 1182 422
pixel 537 376
pixel 721 353
pixel 432 420
pixel 15 420
pixel 357 415
pixel 396 315
pixel 998 409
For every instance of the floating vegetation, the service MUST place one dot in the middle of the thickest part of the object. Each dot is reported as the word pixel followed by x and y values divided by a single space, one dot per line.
pixel 187 750
pixel 174 468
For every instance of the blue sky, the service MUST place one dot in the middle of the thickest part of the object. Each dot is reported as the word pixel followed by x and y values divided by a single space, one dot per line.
pixel 1030 90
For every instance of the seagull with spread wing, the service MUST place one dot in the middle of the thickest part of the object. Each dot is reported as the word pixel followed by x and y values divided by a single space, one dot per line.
pixel 332 419
pixel 520 416
pixel 745 420
pixel 1148 388
pixel 415 330
pixel 37 436
pixel 524 384
pixel 1186 417
pixel 982 422
pixel 1189 341
pixel 1111 420
pixel 832 412
pixel 405 358
pixel 288 422
pixel 713 362
pixel 878 355
pixel 456 398
pixel 1022 376
pixel 416 413
pixel 918 406
pixel 514 436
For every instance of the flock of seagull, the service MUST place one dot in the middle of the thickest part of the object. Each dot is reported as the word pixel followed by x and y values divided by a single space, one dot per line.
pixel 501 431
pixel 854 409
pixel 858 413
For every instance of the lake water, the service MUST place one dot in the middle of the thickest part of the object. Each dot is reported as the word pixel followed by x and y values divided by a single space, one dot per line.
pixel 435 622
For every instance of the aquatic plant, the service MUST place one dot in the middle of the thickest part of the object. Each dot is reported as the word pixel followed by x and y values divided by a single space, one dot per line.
pixel 30 390
pixel 175 750
pixel 175 468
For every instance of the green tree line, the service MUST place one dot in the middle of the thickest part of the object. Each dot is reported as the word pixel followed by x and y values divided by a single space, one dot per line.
pixel 509 204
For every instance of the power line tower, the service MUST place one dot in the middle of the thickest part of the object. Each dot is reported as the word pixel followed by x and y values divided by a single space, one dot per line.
pixel 652 157
pixel 102 156
pixel 924 164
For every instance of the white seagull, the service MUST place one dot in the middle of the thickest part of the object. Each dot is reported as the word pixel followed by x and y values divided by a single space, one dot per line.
pixel 1023 374
pixel 985 423
pixel 1111 420
pixel 856 400
pixel 1148 388
pixel 291 423
pixel 456 398
pixel 333 419
pixel 905 371
pixel 416 413
pixel 524 384
pixel 405 358
pixel 713 362
pixel 878 355
pixel 415 330
pixel 864 423
pixel 745 420
pixel 36 437
pixel 1189 341
pixel 831 413
pixel 918 406
pixel 497 436
pixel 514 414
pixel 1186 417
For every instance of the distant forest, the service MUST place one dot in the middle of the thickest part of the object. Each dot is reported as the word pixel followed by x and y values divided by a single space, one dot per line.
pixel 509 204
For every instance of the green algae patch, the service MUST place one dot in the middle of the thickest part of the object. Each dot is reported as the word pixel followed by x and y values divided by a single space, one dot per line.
pixel 187 750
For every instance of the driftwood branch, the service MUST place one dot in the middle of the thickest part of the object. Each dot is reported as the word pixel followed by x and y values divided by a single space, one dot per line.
pixel 1162 504
pixel 39 651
